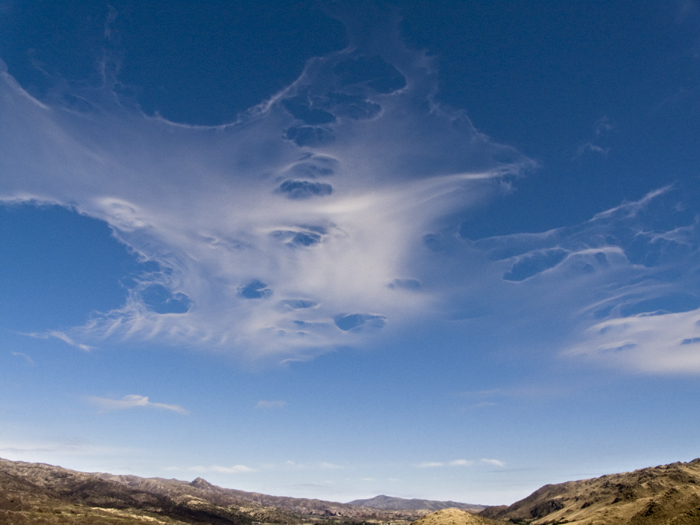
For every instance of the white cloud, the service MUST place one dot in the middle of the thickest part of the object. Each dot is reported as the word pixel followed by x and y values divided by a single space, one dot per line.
pixel 592 147
pixel 494 462
pixel 258 265
pixel 235 469
pixel 453 463
pixel 332 466
pixel 60 336
pixel 461 463
pixel 132 401
pixel 661 343
pixel 617 290
pixel 26 358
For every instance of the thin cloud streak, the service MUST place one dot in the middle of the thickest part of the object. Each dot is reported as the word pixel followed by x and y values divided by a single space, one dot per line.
pixel 132 401
pixel 495 462
pixel 438 464
pixel 26 358
pixel 61 336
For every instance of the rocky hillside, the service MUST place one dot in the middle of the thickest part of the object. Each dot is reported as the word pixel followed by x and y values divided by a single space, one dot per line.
pixel 261 507
pixel 668 495
pixel 389 503
pixel 455 516
pixel 39 493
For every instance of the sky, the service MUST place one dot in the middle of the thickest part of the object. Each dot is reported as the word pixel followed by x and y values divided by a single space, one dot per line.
pixel 445 250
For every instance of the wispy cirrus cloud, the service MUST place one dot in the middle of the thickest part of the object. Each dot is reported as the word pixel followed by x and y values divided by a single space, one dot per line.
pixel 617 290
pixel 61 336
pixel 26 358
pixel 132 401
pixel 602 127
pixel 282 205
pixel 328 214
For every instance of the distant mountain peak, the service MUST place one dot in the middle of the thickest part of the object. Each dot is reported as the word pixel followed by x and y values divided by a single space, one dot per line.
pixel 202 483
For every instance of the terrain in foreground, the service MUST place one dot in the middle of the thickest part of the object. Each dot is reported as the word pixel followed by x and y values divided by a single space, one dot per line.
pixel 667 494
pixel 39 493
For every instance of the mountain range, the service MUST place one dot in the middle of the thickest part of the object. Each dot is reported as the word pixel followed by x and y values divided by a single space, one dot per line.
pixel 390 503
pixel 39 493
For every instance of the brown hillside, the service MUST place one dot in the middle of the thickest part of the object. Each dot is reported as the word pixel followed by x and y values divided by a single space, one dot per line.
pixel 667 494
pixel 454 516
pixel 37 493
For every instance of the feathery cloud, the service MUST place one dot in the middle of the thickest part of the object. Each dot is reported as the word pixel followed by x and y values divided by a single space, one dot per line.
pixel 337 175
pixel 132 401
pixel 61 336
pixel 26 358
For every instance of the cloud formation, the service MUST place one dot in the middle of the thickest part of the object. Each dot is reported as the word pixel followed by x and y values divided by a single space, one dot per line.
pixel 132 401
pixel 493 462
pixel 617 290
pixel 60 336
pixel 293 230
pixel 453 463
pixel 327 215
pixel 26 358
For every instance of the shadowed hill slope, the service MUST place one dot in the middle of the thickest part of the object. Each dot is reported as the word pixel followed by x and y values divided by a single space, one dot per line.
pixel 667 494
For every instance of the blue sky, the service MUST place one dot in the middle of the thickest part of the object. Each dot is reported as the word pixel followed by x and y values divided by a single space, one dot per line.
pixel 446 251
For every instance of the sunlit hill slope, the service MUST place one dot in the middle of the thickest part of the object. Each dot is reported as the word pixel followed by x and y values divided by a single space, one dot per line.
pixel 667 494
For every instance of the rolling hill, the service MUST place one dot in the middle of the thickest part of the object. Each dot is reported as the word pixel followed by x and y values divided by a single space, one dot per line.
pixel 667 494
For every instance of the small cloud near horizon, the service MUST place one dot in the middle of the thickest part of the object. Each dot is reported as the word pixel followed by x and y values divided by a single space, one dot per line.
pixel 430 464
pixel 493 462
pixel 453 463
pixel 326 465
pixel 461 463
